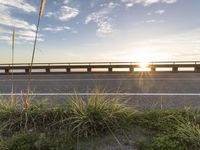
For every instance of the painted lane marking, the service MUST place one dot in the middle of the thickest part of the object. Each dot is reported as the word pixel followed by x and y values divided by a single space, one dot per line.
pixel 122 79
pixel 102 94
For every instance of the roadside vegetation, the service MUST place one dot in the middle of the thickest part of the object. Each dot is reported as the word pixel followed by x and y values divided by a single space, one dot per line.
pixel 95 122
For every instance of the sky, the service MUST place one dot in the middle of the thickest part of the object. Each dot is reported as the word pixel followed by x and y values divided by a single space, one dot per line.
pixel 101 30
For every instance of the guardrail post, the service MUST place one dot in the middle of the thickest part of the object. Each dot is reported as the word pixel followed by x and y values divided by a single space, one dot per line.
pixel 110 69
pixel 153 69
pixel 7 71
pixel 47 70
pixel 175 69
pixel 68 69
pixel 197 69
pixel 89 69
pixel 131 69
pixel 27 70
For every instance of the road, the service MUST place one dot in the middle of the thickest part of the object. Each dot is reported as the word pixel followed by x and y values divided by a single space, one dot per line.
pixel 141 90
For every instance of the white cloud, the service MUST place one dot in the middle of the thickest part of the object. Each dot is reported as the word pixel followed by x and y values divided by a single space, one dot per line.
pixel 5 38
pixel 160 12
pixel 49 14
pixel 65 12
pixel 184 45
pixel 66 2
pixel 130 3
pixel 7 20
pixel 149 14
pixel 150 21
pixel 147 2
pixel 154 21
pixel 27 36
pixel 20 4
pixel 169 1
pixel 104 26
pixel 22 36
pixel 56 29
pixel 25 31
pixel 112 5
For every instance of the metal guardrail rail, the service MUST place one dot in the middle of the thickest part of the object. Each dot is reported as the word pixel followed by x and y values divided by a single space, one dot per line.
pixel 104 63
pixel 89 67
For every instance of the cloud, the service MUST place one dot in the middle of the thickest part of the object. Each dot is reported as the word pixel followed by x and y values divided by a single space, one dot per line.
pixel 187 37
pixel 7 20
pixel 185 46
pixel 157 12
pixel 130 3
pixel 149 13
pixel 104 26
pixel 22 36
pixel 5 38
pixel 160 12
pixel 154 21
pixel 25 31
pixel 150 21
pixel 27 36
pixel 66 2
pixel 56 29
pixel 169 1
pixel 20 4
pixel 65 12
pixel 49 14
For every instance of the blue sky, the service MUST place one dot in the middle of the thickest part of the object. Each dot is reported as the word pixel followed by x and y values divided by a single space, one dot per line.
pixel 102 30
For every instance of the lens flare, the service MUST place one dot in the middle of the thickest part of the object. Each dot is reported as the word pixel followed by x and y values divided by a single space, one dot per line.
pixel 144 64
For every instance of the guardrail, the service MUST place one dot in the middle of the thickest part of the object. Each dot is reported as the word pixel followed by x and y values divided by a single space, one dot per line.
pixel 97 67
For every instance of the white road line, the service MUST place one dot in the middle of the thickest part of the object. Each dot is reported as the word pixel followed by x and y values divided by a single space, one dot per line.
pixel 103 94
pixel 120 79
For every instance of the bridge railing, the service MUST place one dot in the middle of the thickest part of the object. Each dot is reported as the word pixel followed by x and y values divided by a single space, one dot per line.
pixel 101 63
pixel 90 66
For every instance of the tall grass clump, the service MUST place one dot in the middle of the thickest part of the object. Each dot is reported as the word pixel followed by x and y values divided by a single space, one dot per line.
pixel 94 116
pixel 83 118
pixel 42 5
pixel 189 134
pixel 12 61
pixel 97 115
pixel 171 130
pixel 185 137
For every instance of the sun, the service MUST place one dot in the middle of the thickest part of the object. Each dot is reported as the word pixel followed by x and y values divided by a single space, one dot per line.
pixel 144 56
pixel 144 64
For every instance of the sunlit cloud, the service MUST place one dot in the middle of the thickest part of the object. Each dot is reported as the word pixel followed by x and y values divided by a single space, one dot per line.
pixel 25 30
pixel 64 13
pixel 65 1
pixel 104 25
pixel 56 29
pixel 7 20
pixel 20 4
pixel 130 3
pixel 183 46
pixel 169 1
pixel 150 21
pixel 160 12
pixel 67 13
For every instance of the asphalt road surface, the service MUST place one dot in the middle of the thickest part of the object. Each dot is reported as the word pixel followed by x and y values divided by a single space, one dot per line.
pixel 141 90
